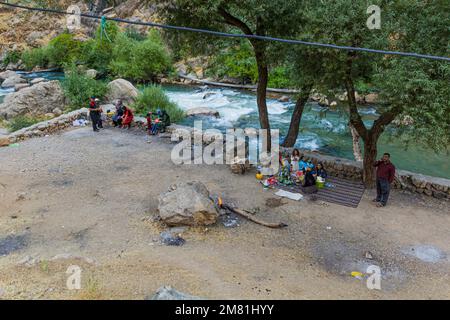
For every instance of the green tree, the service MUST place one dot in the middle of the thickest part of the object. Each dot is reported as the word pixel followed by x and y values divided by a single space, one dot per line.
pixel 63 49
pixel 251 17
pixel 237 61
pixel 139 60
pixel 409 86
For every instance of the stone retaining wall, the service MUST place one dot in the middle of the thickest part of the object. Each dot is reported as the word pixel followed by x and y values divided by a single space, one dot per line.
pixel 338 167
pixel 406 180
pixel 49 126
pixel 353 170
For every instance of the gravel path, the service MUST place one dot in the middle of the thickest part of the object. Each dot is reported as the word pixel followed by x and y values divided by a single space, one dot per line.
pixel 86 199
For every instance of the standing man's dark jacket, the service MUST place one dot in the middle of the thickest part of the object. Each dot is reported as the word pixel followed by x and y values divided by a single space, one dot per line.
pixel 385 170
pixel 385 176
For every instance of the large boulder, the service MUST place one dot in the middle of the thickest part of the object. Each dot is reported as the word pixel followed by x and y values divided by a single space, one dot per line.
pixel 187 203
pixel 37 80
pixel 12 81
pixel 20 86
pixel 7 74
pixel 121 89
pixel 202 111
pixel 39 99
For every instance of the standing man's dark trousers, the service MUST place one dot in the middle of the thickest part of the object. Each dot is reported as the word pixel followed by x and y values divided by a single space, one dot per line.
pixel 95 118
pixel 383 189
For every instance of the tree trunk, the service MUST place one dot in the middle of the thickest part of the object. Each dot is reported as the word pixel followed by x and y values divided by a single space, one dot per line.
pixel 296 118
pixel 261 91
pixel 356 146
pixel 370 154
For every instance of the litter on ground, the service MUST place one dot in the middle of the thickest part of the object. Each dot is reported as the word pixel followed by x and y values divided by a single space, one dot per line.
pixel 289 195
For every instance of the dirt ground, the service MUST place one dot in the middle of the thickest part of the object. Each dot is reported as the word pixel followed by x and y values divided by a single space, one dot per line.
pixel 89 199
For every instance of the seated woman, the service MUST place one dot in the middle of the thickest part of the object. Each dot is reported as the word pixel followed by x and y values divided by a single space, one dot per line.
pixel 302 164
pixel 165 120
pixel 117 118
pixel 127 118
pixel 320 171
pixel 309 183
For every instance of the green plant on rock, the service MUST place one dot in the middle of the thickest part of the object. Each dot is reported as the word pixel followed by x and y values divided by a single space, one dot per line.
pixel 22 121
pixel 78 88
pixel 152 98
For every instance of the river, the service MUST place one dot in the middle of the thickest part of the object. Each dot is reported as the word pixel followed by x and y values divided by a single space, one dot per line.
pixel 322 129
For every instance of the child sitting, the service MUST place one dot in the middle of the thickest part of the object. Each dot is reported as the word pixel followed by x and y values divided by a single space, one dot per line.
pixel 149 123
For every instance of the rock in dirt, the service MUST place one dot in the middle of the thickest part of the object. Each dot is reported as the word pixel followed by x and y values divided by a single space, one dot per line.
pixel 170 239
pixel 4 141
pixel 169 293
pixel 187 203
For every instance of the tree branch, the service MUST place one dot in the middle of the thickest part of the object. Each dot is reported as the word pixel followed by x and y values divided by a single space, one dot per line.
pixel 234 21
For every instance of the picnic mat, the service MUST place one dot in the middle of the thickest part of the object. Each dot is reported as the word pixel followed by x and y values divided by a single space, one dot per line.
pixel 344 192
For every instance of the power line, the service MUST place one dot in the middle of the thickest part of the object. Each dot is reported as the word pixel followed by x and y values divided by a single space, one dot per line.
pixel 233 35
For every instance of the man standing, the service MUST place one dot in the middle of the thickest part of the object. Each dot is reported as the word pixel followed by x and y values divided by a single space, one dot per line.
pixel 385 176
pixel 94 112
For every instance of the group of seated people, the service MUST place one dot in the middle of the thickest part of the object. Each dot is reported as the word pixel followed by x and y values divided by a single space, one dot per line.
pixel 123 118
pixel 303 171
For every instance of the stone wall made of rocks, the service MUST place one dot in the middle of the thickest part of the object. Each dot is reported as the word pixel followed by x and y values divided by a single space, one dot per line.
pixel 338 167
pixel 343 168
pixel 49 126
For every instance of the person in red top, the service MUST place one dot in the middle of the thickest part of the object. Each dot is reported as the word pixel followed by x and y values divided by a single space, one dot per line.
pixel 127 117
pixel 385 176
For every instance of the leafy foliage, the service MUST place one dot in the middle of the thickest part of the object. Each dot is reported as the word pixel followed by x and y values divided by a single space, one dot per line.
pixel 78 88
pixel 12 57
pixel 61 50
pixel 139 60
pixel 237 62
pixel 36 57
pixel 153 98
pixel 20 122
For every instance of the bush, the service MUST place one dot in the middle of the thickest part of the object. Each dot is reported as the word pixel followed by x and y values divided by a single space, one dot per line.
pixel 152 98
pixel 11 57
pixel 78 88
pixel 139 60
pixel 279 78
pixel 236 62
pixel 21 122
pixel 97 53
pixel 35 58
pixel 63 49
